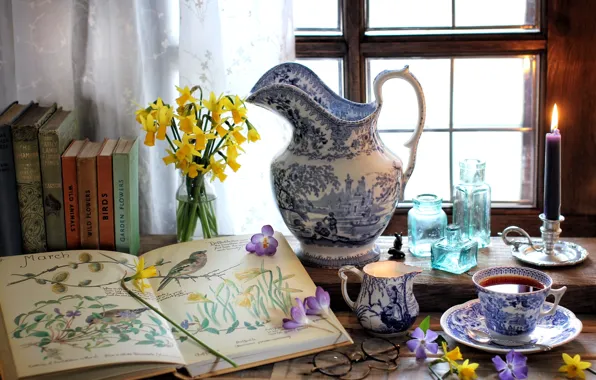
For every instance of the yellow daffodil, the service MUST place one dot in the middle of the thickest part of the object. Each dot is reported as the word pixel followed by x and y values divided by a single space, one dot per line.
pixel 198 297
pixel 143 273
pixel 193 170
pixel 244 299
pixel 185 96
pixel 467 370
pixel 452 355
pixel 186 150
pixel 201 138
pixel 170 158
pixel 148 125
pixel 232 155
pixel 253 135
pixel 221 131
pixel 574 367
pixel 187 123
pixel 236 107
pixel 218 169
pixel 214 105
pixel 248 274
pixel 238 137
pixel 141 113
pixel 164 120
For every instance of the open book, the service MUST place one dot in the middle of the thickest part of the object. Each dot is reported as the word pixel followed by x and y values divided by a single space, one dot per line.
pixel 64 313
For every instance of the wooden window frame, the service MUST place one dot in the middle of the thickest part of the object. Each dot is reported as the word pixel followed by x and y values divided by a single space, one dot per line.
pixel 354 47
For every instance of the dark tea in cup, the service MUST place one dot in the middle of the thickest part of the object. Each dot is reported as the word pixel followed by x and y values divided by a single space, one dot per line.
pixel 511 284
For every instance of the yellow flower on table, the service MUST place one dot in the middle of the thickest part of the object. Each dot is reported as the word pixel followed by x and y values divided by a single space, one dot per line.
pixel 185 96
pixel 148 125
pixel 218 169
pixel 143 273
pixel 574 366
pixel 467 370
pixel 214 104
pixel 452 355
pixel 237 108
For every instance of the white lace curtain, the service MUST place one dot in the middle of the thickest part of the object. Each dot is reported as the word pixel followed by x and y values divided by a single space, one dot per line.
pixel 101 57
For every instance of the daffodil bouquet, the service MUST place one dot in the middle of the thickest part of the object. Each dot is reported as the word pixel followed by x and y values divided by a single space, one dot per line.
pixel 205 137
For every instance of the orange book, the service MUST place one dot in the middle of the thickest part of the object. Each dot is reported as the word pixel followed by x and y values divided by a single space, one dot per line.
pixel 105 194
pixel 87 184
pixel 70 193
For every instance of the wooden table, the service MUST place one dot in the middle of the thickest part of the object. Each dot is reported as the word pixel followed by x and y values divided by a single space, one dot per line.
pixel 437 291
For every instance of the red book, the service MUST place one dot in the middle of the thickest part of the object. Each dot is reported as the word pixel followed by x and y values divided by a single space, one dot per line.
pixel 87 184
pixel 71 195
pixel 105 195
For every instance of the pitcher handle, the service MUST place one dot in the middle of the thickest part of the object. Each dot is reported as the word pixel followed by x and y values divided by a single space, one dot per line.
pixel 344 282
pixel 412 142
pixel 558 293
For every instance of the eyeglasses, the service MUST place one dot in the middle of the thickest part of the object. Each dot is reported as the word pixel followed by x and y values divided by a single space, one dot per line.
pixel 338 364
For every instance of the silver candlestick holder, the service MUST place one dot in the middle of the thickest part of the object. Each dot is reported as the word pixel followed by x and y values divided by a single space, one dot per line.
pixel 548 251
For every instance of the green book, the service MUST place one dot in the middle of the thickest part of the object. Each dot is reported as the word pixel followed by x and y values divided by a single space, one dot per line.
pixel 27 167
pixel 54 138
pixel 125 164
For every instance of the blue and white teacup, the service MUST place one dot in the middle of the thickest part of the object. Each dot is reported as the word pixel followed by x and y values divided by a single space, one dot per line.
pixel 514 315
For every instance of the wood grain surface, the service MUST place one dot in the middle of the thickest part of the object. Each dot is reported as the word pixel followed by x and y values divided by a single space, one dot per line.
pixel 438 291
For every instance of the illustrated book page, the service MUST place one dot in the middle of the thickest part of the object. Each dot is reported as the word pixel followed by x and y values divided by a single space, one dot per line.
pixel 235 302
pixel 66 310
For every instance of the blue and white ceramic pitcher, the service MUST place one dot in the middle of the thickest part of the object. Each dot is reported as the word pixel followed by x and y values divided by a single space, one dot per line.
pixel 386 305
pixel 336 184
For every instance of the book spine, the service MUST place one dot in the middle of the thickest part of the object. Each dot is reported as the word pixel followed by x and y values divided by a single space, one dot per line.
pixel 87 183
pixel 10 222
pixel 134 233
pixel 71 202
pixel 28 175
pixel 105 191
pixel 120 167
pixel 53 199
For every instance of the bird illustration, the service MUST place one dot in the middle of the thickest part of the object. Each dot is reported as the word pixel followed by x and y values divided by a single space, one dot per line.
pixel 186 267
pixel 116 316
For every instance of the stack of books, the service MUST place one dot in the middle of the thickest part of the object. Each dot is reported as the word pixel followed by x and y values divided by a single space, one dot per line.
pixel 58 192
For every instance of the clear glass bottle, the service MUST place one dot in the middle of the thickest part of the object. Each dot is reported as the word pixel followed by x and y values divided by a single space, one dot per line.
pixel 454 253
pixel 426 224
pixel 471 204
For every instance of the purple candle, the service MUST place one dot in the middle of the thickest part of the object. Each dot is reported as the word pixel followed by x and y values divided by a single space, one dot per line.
pixel 552 170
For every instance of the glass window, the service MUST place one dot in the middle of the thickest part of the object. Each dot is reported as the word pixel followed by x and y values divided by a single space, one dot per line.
pixel 317 17
pixel 330 70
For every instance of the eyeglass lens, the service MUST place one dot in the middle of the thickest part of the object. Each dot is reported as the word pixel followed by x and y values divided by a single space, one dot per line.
pixel 380 349
pixel 332 363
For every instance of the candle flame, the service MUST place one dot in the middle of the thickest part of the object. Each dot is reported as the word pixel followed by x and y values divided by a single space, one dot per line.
pixel 554 124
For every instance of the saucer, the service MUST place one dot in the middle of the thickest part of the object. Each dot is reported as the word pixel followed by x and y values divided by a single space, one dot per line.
pixel 554 330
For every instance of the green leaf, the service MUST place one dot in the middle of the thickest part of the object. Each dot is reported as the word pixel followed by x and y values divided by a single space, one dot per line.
pixel 29 275
pixel 17 334
pixel 95 306
pixel 51 302
pixel 84 282
pixel 251 328
pixel 41 334
pixel 247 324
pixel 39 303
pixel 31 327
pixel 425 324
pixel 157 321
pixel 17 320
pixel 40 281
pixel 212 330
pixel 109 306
pixel 183 338
pixel 233 327
pixel 89 298
pixel 71 334
pixel 39 317
pixel 205 323
pixel 441 339
pixel 124 338
pixel 142 342
pixel 115 329
pixel 219 288
pixel 44 342
pixel 149 336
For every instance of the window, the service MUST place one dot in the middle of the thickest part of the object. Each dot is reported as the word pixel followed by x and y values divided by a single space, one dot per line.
pixel 479 63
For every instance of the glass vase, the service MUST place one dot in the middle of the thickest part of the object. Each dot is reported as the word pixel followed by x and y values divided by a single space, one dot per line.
pixel 453 253
pixel 471 204
pixel 426 224
pixel 195 215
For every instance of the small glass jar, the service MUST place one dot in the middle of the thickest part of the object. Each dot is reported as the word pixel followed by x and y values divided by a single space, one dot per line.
pixel 454 253
pixel 426 224
pixel 471 204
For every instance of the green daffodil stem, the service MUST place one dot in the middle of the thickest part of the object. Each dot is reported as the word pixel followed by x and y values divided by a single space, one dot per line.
pixel 178 327
pixel 591 371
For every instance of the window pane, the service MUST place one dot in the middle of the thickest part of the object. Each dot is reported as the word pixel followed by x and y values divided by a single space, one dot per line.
pixel 400 109
pixel 312 17
pixel 495 12
pixel 408 13
pixel 431 174
pixel 330 70
pixel 509 161
pixel 492 92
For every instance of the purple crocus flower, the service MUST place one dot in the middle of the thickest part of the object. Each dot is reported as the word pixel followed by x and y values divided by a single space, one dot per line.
pixel 422 342
pixel 72 314
pixel 263 243
pixel 515 367
pixel 57 311
pixel 319 304
pixel 298 314
pixel 184 324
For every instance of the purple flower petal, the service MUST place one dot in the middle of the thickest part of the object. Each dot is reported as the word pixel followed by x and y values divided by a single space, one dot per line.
pixel 413 344
pixel 499 363
pixel 516 359
pixel 267 230
pixel 251 247
pixel 520 372
pixel 270 250
pixel 431 336
pixel 432 347
pixel 506 375
pixel 312 303
pixel 420 352
pixel 257 238
pixel 290 325
pixel 418 333
pixel 273 242
pixel 323 297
